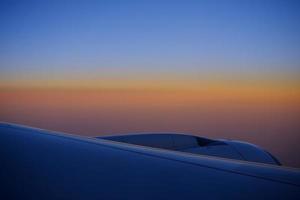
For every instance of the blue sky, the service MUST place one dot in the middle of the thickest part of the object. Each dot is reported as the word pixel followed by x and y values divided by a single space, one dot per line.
pixel 96 39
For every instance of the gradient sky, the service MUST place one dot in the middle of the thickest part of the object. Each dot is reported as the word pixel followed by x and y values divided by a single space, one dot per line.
pixel 220 69
pixel 148 40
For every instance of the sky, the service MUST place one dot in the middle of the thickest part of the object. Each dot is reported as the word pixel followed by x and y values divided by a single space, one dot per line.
pixel 148 40
pixel 215 68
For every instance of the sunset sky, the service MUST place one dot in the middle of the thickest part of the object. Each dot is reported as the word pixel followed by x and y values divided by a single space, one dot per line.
pixel 222 69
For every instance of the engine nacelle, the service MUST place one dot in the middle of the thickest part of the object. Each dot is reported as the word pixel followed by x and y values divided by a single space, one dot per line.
pixel 231 149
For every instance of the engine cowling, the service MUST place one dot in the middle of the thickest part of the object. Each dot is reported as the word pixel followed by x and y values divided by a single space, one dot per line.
pixel 231 149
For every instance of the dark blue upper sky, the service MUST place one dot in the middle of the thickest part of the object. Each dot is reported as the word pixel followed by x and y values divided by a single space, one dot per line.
pixel 67 39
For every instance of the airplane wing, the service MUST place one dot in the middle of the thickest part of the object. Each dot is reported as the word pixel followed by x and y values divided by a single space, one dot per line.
pixel 41 164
